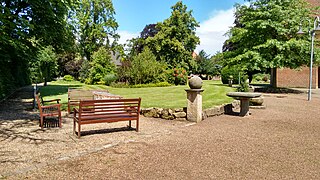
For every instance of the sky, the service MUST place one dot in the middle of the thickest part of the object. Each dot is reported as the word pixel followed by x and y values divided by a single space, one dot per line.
pixel 215 18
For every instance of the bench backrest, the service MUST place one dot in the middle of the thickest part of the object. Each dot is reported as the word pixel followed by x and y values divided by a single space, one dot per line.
pixel 77 94
pixel 39 102
pixel 110 110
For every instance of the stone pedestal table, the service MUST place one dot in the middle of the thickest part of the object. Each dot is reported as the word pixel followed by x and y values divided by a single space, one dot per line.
pixel 244 98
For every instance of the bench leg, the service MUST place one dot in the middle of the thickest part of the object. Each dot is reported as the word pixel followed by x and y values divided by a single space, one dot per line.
pixel 79 130
pixel 60 120
pixel 129 124
pixel 41 121
pixel 74 126
pixel 244 107
pixel 137 126
pixel 68 109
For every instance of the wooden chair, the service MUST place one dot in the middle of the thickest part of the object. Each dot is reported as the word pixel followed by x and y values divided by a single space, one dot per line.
pixel 51 110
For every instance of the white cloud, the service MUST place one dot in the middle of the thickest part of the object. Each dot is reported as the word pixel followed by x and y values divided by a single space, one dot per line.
pixel 126 35
pixel 212 31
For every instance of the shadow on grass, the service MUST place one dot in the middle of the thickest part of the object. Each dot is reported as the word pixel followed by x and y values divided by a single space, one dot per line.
pixel 52 90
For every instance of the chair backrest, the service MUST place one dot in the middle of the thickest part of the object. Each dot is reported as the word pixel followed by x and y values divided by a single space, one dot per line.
pixel 39 102
pixel 77 94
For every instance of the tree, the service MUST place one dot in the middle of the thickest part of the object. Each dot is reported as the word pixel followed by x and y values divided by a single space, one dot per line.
pixel 265 36
pixel 101 66
pixel 146 69
pixel 47 64
pixel 136 45
pixel 176 39
pixel 25 26
pixel 149 30
pixel 95 25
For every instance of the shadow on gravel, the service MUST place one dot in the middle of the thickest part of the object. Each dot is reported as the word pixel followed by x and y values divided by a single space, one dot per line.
pixel 106 131
pixel 12 132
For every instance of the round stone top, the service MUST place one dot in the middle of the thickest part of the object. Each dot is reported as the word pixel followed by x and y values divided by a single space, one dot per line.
pixel 195 82
pixel 243 94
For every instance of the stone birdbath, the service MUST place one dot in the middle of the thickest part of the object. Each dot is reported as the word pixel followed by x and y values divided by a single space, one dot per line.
pixel 244 98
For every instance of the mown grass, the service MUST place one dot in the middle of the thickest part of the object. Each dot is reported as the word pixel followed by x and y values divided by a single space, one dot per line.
pixel 166 97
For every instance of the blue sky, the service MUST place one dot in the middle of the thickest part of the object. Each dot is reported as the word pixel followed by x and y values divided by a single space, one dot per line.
pixel 215 18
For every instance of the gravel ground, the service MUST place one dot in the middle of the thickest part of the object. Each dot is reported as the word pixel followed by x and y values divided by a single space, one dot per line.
pixel 279 142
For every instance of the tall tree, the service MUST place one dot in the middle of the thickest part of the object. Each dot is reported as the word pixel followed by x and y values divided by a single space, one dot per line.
pixel 47 62
pixel 26 26
pixel 136 45
pixel 265 35
pixel 176 39
pixel 95 25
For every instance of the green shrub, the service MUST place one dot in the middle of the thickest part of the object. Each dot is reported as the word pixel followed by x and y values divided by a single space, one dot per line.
pixel 227 72
pixel 146 69
pixel 123 85
pixel 261 77
pixel 177 76
pixel 101 66
pixel 266 77
pixel 244 84
pixel 68 78
pixel 109 78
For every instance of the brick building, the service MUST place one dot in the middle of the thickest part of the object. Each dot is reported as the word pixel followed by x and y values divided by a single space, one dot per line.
pixel 300 77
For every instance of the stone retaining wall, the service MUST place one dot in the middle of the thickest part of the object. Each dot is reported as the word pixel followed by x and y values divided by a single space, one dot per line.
pixel 180 114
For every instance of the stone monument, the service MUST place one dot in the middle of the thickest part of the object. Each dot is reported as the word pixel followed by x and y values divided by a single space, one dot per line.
pixel 194 108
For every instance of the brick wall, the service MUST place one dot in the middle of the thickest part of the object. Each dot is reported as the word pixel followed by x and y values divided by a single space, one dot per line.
pixel 296 78
pixel 314 2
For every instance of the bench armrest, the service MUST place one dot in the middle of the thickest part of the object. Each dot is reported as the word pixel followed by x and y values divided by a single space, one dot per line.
pixel 51 106
pixel 51 100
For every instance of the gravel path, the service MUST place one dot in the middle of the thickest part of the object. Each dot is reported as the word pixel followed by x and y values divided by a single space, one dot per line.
pixel 279 142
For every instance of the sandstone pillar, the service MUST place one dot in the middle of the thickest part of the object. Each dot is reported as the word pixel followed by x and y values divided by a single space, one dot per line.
pixel 194 108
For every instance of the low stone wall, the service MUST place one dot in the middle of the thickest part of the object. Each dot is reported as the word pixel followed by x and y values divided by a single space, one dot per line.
pixel 180 114
pixel 165 113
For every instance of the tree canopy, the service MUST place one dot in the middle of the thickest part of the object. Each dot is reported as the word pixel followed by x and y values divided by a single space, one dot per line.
pixel 265 35
pixel 25 27
pixel 95 25
pixel 176 39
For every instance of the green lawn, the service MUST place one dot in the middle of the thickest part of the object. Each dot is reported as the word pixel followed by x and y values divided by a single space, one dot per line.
pixel 165 97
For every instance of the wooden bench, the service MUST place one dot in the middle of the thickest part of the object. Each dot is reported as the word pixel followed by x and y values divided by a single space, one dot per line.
pixel 244 98
pixel 75 95
pixel 106 111
pixel 51 110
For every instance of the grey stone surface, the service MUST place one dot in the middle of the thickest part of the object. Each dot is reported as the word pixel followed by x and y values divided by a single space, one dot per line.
pixel 243 94
pixel 194 108
pixel 151 113
pixel 195 82
pixel 180 115
pixel 256 101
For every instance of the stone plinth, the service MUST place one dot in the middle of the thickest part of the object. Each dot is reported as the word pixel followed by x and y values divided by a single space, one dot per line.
pixel 194 108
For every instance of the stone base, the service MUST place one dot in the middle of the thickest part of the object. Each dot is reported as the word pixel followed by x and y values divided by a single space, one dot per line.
pixel 194 108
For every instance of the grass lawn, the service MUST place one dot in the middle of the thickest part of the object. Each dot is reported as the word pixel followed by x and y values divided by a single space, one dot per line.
pixel 165 97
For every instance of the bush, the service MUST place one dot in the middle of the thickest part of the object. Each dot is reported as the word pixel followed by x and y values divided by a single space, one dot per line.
pixel 227 72
pixel 244 84
pixel 265 78
pixel 68 78
pixel 109 78
pixel 177 76
pixel 101 66
pixel 146 69
pixel 261 77
pixel 123 85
